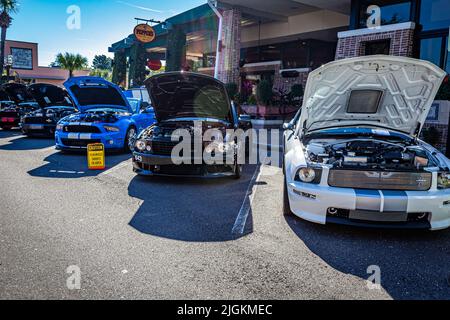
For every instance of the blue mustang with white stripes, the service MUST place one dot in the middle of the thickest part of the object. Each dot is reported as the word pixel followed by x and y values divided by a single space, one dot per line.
pixel 105 116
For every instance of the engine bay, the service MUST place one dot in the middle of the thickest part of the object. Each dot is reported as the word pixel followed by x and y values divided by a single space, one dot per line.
pixel 369 154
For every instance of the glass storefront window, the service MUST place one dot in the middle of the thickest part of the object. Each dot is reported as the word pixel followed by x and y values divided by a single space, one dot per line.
pixel 447 57
pixel 430 49
pixel 434 14
pixel 390 12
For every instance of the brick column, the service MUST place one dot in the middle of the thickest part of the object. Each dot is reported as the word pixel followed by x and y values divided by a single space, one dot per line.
pixel 353 43
pixel 230 54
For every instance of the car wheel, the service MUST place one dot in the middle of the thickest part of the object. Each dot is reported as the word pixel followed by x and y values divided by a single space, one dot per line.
pixel 286 206
pixel 130 139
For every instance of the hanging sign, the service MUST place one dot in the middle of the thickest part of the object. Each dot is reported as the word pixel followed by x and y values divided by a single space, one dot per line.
pixel 154 65
pixel 144 33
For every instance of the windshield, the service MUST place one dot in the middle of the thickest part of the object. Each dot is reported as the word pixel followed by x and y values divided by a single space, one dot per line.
pixel 134 104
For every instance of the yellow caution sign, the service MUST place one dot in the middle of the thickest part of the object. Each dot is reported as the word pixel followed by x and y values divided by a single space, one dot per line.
pixel 96 156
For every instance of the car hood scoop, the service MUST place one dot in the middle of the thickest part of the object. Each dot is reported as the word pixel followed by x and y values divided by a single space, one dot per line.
pixel 384 91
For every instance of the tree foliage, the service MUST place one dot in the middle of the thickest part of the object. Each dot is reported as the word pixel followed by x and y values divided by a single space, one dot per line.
pixel 102 62
pixel 71 62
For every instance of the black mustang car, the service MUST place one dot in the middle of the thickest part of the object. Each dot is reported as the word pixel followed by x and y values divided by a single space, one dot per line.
pixel 54 104
pixel 187 106
pixel 23 103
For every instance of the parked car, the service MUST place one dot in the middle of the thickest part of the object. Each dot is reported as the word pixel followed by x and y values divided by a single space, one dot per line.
pixel 142 112
pixel 23 103
pixel 355 156
pixel 54 104
pixel 104 116
pixel 181 99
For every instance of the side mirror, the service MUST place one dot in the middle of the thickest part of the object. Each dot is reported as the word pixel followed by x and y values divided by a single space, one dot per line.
pixel 148 109
pixel 144 105
pixel 288 126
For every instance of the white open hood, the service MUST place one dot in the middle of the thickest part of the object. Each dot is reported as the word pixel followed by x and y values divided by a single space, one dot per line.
pixel 385 91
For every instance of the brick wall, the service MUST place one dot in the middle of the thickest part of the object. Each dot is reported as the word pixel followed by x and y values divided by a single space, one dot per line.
pixel 352 43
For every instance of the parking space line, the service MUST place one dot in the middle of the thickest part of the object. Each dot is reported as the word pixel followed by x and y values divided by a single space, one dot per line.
pixel 241 219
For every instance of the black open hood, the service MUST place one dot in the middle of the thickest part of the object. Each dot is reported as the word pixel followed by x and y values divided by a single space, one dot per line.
pixel 4 96
pixel 17 92
pixel 48 95
pixel 188 95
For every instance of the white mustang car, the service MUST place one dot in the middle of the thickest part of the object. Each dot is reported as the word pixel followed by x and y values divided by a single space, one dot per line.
pixel 354 156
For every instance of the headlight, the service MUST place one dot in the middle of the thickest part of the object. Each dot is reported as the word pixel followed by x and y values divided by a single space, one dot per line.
pixel 443 180
pixel 111 129
pixel 141 145
pixel 309 175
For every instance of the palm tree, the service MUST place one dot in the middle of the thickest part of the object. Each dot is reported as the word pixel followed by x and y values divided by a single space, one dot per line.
pixel 71 62
pixel 6 7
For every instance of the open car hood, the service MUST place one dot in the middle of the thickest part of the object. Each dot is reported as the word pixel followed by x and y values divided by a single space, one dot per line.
pixel 188 95
pixel 48 95
pixel 384 91
pixel 94 92
pixel 17 92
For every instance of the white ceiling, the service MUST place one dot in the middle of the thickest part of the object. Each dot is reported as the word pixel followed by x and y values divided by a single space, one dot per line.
pixel 288 8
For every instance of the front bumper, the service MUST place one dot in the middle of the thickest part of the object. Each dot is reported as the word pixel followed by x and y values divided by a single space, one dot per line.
pixel 381 208
pixel 150 165
pixel 80 141
pixel 47 130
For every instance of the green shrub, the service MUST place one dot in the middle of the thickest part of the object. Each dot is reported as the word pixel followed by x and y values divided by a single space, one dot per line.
pixel 252 100
pixel 264 92
pixel 232 89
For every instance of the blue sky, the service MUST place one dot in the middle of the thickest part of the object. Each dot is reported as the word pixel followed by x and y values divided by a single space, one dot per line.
pixel 103 22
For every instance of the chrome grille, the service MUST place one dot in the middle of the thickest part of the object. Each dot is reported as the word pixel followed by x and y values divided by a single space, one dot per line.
pixel 381 180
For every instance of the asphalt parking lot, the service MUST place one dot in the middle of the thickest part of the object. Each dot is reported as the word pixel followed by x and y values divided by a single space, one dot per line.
pixel 166 238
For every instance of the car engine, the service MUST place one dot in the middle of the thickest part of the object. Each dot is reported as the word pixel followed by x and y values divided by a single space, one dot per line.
pixel 369 154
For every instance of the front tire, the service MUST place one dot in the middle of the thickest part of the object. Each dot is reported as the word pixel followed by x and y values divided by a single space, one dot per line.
pixel 130 139
pixel 237 170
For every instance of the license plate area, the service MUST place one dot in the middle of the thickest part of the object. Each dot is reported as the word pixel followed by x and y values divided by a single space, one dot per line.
pixel 36 127
pixel 375 216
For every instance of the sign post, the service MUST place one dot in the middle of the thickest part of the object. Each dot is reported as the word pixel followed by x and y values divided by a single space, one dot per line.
pixel 96 156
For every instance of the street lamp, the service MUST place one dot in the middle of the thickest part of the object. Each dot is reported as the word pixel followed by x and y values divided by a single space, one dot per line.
pixel 9 60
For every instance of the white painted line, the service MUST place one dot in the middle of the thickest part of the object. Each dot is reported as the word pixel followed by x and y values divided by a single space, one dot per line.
pixel 241 219
pixel 118 167
pixel 67 172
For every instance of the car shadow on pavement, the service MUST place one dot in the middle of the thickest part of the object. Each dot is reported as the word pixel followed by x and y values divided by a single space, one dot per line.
pixel 413 264
pixel 15 141
pixel 64 165
pixel 190 209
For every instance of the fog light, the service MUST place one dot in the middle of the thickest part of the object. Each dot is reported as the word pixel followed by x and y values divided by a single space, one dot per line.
pixel 149 148
pixel 111 141
pixel 307 175
pixel 332 211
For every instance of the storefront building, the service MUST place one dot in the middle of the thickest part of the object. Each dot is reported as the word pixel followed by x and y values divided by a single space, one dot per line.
pixel 24 66
pixel 283 40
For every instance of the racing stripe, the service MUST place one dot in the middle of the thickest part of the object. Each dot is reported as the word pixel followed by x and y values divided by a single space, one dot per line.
pixel 73 136
pixel 369 200
pixel 395 201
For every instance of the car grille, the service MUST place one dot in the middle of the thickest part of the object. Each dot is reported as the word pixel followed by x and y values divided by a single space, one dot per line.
pixel 81 129
pixel 408 181
pixel 35 120
pixel 163 148
pixel 79 143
